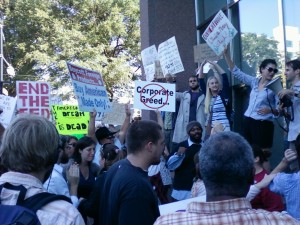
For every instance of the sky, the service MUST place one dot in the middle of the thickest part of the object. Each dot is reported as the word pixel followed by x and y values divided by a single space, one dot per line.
pixel 261 16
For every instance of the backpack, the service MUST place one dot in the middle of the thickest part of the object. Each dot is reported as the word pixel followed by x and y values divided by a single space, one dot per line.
pixel 24 212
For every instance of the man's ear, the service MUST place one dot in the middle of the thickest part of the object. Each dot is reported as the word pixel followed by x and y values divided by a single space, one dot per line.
pixel 256 159
pixel 149 146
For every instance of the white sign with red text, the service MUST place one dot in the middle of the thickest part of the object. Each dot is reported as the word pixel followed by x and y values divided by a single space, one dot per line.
pixel 219 33
pixel 89 89
pixel 154 96
pixel 34 98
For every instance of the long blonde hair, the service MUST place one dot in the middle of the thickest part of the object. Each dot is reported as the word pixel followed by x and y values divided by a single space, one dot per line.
pixel 208 94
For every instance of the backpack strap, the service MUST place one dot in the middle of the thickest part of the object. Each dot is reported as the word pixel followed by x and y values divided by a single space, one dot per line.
pixel 37 201
pixel 22 191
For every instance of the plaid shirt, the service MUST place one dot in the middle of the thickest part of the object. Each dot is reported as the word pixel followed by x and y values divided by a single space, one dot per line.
pixel 234 211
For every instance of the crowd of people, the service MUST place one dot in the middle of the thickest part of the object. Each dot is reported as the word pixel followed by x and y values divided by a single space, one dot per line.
pixel 122 176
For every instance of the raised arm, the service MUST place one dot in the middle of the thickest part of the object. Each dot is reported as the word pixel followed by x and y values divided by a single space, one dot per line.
pixel 228 59
pixel 125 125
pixel 91 126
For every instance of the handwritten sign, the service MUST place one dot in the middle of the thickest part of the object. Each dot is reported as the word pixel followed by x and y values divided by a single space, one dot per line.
pixel 202 52
pixel 154 96
pixel 149 55
pixel 89 89
pixel 69 120
pixel 7 105
pixel 55 100
pixel 169 57
pixel 118 115
pixel 219 33
pixel 34 98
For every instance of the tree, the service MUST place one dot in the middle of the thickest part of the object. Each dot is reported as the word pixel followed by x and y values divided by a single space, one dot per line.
pixel 256 47
pixel 42 35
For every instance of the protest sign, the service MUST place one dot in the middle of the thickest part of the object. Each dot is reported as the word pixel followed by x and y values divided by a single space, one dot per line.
pixel 55 100
pixel 69 120
pixel 89 89
pixel 154 96
pixel 34 98
pixel 149 55
pixel 7 106
pixel 179 205
pixel 169 57
pixel 219 33
pixel 117 116
pixel 202 52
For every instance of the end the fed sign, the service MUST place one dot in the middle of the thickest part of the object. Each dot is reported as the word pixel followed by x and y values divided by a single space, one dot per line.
pixel 154 96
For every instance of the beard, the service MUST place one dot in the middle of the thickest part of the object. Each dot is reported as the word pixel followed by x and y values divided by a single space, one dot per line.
pixel 196 139
pixel 195 88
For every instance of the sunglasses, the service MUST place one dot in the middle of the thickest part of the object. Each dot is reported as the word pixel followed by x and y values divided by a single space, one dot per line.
pixel 270 69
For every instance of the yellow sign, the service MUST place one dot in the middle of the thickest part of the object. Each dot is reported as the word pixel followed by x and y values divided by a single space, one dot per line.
pixel 69 120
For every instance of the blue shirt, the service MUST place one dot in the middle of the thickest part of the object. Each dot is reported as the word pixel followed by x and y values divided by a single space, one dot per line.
pixel 288 185
pixel 258 98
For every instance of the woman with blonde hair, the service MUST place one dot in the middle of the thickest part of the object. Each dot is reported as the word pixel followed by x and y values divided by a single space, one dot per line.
pixel 217 96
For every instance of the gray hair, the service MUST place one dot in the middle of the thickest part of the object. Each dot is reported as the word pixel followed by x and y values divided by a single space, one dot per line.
pixel 226 164
pixel 29 144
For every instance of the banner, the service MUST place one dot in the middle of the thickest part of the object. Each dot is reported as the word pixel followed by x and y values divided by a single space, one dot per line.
pixel 89 89
pixel 154 96
pixel 7 106
pixel 219 33
pixel 69 120
pixel 34 98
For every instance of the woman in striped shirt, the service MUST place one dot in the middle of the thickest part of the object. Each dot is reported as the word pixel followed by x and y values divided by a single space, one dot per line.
pixel 217 95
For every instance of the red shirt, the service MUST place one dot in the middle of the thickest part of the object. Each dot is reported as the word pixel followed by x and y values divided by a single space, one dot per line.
pixel 266 199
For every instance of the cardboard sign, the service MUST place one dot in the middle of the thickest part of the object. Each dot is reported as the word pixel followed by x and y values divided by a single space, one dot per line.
pixel 34 98
pixel 55 100
pixel 117 116
pixel 169 57
pixel 89 89
pixel 202 52
pixel 154 96
pixel 69 120
pixel 7 105
pixel 149 55
pixel 219 33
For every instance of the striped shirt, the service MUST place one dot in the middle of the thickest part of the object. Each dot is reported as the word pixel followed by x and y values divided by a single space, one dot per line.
pixel 219 112
pixel 234 211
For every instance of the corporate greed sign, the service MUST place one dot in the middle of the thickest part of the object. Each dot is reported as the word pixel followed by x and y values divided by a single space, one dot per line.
pixel 89 89
pixel 154 96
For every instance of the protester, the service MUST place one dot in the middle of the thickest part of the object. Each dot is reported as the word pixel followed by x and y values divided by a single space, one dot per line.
pixel 29 151
pixel 258 120
pixel 128 197
pixel 56 183
pixel 191 108
pixel 288 186
pixel 110 154
pixel 226 166
pixel 292 73
pixel 217 96
pixel 182 162
pixel 266 199
pixel 83 155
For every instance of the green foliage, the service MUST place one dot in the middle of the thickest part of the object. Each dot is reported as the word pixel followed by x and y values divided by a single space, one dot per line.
pixel 256 48
pixel 42 35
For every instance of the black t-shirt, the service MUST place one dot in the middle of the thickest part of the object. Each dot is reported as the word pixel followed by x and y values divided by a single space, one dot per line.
pixel 128 197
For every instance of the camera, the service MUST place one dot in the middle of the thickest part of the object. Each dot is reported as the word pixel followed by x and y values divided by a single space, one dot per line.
pixel 286 101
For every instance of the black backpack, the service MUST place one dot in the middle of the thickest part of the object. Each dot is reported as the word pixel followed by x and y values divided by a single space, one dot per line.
pixel 24 212
pixel 230 113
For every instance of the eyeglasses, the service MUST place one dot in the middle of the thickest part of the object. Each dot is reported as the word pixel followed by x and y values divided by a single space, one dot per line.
pixel 270 69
